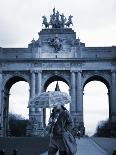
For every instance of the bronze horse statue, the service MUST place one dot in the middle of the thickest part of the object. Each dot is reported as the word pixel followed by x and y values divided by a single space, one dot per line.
pixel 69 22
pixel 45 22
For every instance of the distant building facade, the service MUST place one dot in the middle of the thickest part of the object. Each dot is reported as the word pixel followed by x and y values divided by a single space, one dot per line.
pixel 56 56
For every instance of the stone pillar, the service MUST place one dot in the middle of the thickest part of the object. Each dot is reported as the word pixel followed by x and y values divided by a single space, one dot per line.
pixel 36 113
pixel 113 92
pixel 6 112
pixel 79 103
pixel 39 81
pixel 32 110
pixel 32 89
pixel 1 113
pixel 113 104
pixel 39 85
pixel 73 93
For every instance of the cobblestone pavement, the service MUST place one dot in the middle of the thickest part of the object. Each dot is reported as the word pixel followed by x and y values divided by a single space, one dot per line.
pixel 86 146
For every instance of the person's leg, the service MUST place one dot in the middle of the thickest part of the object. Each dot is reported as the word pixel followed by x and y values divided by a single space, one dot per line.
pixel 52 151
pixel 62 153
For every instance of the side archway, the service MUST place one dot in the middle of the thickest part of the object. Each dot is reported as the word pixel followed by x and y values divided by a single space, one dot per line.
pixel 94 102
pixel 5 107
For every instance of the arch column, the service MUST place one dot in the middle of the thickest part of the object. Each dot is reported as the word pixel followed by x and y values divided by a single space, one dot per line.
pixel 79 105
pixel 32 89
pixel 73 94
pixel 1 111
pixel 37 114
pixel 39 81
pixel 6 113
pixel 39 85
pixel 32 116
pixel 113 92
pixel 79 102
pixel 113 103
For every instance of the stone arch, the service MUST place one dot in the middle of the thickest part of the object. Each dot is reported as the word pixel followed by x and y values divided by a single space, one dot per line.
pixel 106 81
pixel 5 98
pixel 102 79
pixel 54 78
pixel 48 81
pixel 15 77
pixel 97 77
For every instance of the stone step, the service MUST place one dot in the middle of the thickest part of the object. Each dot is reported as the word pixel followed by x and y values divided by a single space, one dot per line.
pixel 25 146
pixel 39 146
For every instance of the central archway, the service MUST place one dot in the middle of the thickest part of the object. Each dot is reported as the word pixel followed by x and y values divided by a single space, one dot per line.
pixel 54 78
pixel 50 85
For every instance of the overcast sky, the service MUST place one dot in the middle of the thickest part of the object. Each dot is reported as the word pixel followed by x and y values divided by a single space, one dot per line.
pixel 94 23
pixel 21 20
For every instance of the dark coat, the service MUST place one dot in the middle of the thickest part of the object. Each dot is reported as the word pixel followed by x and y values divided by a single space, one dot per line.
pixel 64 122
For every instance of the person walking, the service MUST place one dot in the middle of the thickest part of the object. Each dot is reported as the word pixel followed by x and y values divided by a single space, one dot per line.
pixel 60 121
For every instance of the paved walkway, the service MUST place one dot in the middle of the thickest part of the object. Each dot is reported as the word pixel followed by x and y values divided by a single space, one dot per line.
pixel 86 146
pixel 108 144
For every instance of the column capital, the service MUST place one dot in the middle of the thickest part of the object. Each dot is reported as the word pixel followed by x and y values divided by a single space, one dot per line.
pixel 79 71
pixel 39 71
pixel 1 71
pixel 113 71
pixel 36 71
pixel 72 71
pixel 76 71
pixel 32 71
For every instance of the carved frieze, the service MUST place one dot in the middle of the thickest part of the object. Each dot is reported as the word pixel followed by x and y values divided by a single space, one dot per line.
pixel 56 65
pixel 15 66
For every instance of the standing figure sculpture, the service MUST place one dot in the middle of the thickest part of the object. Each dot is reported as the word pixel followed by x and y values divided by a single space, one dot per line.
pixel 63 20
pixel 53 19
pixel 57 24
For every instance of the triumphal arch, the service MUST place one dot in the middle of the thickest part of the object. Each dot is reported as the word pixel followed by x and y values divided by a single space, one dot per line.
pixel 57 55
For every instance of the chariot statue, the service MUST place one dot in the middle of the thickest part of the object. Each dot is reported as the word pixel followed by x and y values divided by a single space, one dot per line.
pixel 57 20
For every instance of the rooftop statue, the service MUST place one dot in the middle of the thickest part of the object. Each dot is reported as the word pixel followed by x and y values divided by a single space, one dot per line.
pixel 45 22
pixel 69 22
pixel 57 20
pixel 63 20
